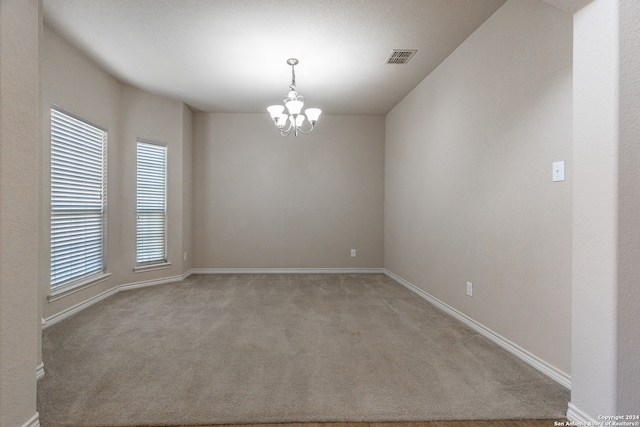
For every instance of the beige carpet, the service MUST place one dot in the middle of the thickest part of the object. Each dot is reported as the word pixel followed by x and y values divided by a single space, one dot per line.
pixel 279 348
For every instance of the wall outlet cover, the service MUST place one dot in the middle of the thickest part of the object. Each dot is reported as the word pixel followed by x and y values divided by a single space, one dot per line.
pixel 558 171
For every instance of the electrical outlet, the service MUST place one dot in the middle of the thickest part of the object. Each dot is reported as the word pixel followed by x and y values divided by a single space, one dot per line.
pixel 184 256
pixel 353 253
pixel 470 289
pixel 558 171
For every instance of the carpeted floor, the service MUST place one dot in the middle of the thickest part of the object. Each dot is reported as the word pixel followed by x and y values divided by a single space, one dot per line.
pixel 279 348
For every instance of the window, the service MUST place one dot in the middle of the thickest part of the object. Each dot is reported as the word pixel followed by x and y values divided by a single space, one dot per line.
pixel 78 199
pixel 151 183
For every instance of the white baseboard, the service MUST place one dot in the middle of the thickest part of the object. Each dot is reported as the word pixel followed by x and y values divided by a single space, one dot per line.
pixel 580 417
pixel 58 317
pixel 286 270
pixel 153 282
pixel 40 371
pixel 33 421
pixel 542 366
pixel 52 320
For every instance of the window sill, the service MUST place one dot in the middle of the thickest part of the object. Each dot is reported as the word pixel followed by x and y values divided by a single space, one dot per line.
pixel 151 267
pixel 63 291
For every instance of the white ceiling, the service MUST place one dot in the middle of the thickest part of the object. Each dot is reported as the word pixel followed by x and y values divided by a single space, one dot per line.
pixel 230 55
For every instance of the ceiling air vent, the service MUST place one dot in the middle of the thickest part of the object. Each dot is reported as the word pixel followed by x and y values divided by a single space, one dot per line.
pixel 400 56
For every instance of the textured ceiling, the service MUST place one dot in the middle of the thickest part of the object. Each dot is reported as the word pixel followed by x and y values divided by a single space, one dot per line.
pixel 230 55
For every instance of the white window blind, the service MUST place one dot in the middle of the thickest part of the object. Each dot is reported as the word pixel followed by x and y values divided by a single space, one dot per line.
pixel 151 204
pixel 78 199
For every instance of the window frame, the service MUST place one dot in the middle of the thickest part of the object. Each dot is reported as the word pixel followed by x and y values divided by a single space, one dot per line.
pixel 156 263
pixel 59 287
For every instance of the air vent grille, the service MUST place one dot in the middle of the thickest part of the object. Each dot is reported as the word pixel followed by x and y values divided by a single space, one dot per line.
pixel 400 56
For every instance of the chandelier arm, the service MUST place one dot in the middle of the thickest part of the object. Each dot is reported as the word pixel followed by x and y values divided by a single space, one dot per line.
pixel 307 132
pixel 285 132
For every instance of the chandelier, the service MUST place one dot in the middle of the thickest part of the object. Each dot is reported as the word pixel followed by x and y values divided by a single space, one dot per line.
pixel 293 103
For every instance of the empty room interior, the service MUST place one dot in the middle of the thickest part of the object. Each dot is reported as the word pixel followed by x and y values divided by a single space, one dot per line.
pixel 455 237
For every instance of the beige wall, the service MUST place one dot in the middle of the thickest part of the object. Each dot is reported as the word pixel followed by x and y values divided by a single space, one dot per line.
pixel 628 294
pixel 468 190
pixel 187 191
pixel 73 82
pixel 20 37
pixel 265 201
pixel 606 225
pixel 158 119
pixel 468 196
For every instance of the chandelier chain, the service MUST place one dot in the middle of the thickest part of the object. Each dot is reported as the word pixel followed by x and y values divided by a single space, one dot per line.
pixel 293 77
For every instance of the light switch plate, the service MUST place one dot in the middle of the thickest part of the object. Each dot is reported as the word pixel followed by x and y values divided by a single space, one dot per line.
pixel 558 171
